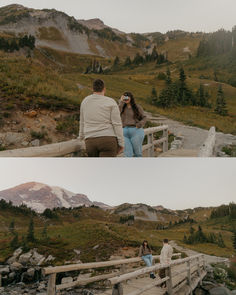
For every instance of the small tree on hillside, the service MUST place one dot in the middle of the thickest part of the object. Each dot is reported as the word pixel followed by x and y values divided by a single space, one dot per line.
pixel 30 235
pixel 12 226
pixel 234 239
pixel 127 61
pixel 14 242
pixel 168 77
pixel 221 242
pixel 221 107
pixel 116 61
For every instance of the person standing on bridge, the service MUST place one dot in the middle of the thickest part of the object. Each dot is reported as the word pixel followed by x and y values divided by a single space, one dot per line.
pixel 145 253
pixel 133 120
pixel 165 258
pixel 100 124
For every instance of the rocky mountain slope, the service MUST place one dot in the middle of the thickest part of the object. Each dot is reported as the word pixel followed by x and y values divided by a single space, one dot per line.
pixel 38 197
pixel 57 30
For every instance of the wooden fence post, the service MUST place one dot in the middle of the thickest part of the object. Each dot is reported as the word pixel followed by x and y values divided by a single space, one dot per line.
pixel 165 143
pixel 151 149
pixel 189 275
pixel 52 285
pixel 0 280
pixel 117 289
pixel 169 282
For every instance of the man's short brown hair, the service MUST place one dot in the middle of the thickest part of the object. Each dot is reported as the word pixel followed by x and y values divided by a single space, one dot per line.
pixel 166 241
pixel 98 85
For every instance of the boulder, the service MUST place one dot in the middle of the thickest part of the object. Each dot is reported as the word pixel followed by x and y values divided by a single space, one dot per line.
pixel 66 280
pixel 16 266
pixel 36 258
pixel 12 138
pixel 35 142
pixel 220 291
pixel 31 272
pixel 25 258
pixel 4 270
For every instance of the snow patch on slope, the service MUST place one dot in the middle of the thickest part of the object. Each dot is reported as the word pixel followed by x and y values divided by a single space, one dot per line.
pixel 37 187
pixel 60 195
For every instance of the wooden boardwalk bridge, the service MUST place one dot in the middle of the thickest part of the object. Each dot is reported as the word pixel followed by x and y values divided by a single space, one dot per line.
pixel 126 277
pixel 155 137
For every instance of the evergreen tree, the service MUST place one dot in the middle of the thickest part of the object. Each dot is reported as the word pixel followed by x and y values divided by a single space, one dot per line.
pixel 14 242
pixel 168 77
pixel 127 61
pixel 221 108
pixel 138 59
pixel 45 232
pixel 30 235
pixel 154 55
pixel 221 241
pixel 12 226
pixel 234 239
pixel 116 61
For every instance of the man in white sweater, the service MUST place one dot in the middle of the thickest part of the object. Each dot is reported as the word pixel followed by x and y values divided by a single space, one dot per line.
pixel 100 123
pixel 165 258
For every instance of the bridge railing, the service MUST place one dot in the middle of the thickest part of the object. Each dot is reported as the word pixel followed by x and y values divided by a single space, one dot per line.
pixel 75 146
pixel 53 271
pixel 208 147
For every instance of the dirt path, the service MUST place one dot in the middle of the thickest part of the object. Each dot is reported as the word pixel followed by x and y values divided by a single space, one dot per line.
pixel 208 258
pixel 193 136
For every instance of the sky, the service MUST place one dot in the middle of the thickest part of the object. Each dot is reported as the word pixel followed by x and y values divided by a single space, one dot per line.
pixel 147 16
pixel 176 183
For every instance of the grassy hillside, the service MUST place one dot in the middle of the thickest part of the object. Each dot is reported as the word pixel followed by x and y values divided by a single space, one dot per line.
pixel 98 234
pixel 54 80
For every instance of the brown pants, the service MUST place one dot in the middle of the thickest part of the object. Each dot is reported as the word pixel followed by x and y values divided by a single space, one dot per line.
pixel 162 274
pixel 104 146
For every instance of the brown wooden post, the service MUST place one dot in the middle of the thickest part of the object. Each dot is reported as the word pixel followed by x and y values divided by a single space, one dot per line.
pixel 169 284
pixel 0 280
pixel 165 143
pixel 189 275
pixel 52 285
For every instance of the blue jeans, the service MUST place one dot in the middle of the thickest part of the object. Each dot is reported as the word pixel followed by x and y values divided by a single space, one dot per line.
pixel 133 141
pixel 148 260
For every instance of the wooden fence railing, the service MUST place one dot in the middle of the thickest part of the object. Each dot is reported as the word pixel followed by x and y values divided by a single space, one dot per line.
pixel 208 147
pixel 74 146
pixel 53 271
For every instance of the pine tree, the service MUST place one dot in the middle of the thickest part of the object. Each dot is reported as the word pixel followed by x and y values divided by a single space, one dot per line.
pixel 45 233
pixel 221 108
pixel 116 61
pixel 30 235
pixel 168 77
pixel 182 86
pixel 221 241
pixel 234 239
pixel 14 242
pixel 154 55
pixel 12 226
pixel 127 61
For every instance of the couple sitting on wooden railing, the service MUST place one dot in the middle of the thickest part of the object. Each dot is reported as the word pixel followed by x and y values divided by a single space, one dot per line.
pixel 109 130
pixel 165 258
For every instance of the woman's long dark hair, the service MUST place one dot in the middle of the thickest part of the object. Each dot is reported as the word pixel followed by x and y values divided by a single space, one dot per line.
pixel 145 241
pixel 137 114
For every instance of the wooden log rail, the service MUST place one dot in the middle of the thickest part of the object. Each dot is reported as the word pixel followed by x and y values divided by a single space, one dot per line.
pixel 171 288
pixel 53 271
pixel 74 146
pixel 207 148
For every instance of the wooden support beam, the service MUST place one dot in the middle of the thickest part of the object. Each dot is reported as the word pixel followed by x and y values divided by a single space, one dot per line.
pixel 52 285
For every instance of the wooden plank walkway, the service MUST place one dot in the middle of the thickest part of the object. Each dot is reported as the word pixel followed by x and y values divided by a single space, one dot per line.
pixel 138 283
